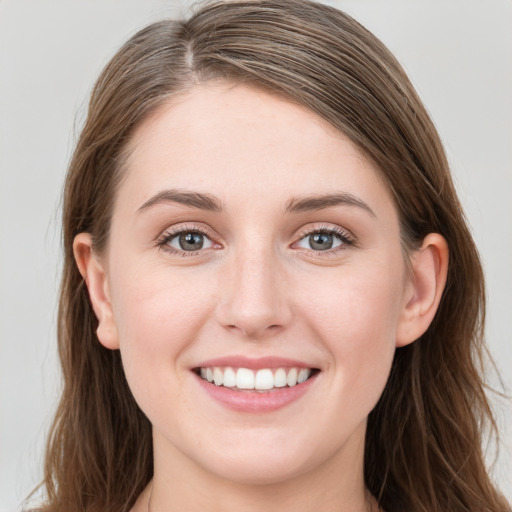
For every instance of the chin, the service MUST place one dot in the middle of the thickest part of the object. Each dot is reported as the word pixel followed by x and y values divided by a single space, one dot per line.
pixel 265 463
pixel 260 472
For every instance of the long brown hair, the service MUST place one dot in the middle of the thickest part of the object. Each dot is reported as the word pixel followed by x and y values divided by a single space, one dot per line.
pixel 423 445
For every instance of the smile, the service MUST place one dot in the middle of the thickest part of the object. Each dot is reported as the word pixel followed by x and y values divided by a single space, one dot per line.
pixel 264 379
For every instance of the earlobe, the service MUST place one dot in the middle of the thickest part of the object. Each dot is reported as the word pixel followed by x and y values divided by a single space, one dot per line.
pixel 429 268
pixel 93 272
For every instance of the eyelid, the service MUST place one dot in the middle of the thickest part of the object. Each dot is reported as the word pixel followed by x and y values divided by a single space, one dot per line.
pixel 173 231
pixel 325 228
pixel 347 238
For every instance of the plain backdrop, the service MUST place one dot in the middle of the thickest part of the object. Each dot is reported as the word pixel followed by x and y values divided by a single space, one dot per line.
pixel 457 53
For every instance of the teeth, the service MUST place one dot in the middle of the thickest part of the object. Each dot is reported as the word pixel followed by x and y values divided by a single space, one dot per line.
pixel 280 378
pixel 229 378
pixel 302 377
pixel 244 379
pixel 218 376
pixel 291 378
pixel 264 380
pixel 261 380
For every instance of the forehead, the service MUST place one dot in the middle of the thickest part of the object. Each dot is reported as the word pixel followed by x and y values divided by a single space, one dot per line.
pixel 235 141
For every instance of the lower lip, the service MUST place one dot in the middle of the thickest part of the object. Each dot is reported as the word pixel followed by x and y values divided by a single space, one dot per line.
pixel 256 401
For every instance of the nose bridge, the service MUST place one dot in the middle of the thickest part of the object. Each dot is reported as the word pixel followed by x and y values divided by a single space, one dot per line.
pixel 253 300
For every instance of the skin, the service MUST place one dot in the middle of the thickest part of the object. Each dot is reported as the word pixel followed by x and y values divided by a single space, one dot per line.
pixel 258 289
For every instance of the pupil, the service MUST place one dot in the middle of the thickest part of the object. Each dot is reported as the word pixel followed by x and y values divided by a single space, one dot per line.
pixel 191 241
pixel 321 241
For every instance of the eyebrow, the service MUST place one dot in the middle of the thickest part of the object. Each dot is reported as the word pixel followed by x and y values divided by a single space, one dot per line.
pixel 192 199
pixel 319 202
pixel 209 202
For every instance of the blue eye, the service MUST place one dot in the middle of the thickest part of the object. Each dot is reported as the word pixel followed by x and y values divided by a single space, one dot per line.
pixel 323 240
pixel 188 241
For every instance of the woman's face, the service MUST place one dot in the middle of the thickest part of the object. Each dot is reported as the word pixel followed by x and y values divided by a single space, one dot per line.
pixel 250 234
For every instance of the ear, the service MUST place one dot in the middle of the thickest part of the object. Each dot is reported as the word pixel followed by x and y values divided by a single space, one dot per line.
pixel 95 278
pixel 424 289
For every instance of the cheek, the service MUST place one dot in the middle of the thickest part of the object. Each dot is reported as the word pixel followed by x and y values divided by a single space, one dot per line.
pixel 360 308
pixel 356 318
pixel 157 302
pixel 158 314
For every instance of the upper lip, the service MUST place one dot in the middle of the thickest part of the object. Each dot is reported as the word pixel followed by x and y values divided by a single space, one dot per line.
pixel 253 363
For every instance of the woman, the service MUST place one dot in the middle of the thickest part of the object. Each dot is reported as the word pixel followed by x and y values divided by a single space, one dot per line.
pixel 270 297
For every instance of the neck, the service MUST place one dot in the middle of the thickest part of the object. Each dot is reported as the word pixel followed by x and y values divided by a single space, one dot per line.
pixel 336 485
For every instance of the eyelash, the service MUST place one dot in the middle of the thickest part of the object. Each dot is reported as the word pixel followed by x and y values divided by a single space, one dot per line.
pixel 163 241
pixel 344 236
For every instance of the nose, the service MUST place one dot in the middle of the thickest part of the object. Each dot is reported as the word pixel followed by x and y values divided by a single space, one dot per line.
pixel 253 296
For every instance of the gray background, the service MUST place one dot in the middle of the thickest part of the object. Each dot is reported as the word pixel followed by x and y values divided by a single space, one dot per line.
pixel 457 53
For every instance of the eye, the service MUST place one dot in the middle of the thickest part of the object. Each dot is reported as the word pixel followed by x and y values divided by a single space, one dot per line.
pixel 324 239
pixel 185 241
pixel 319 242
